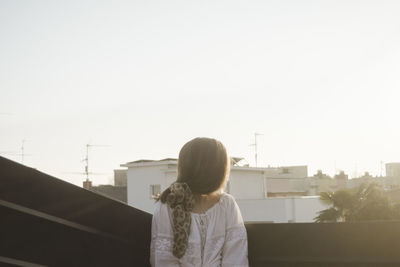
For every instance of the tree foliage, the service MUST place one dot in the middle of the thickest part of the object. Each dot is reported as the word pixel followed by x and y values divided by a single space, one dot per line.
pixel 365 203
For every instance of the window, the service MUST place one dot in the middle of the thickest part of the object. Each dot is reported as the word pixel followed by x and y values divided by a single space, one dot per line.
pixel 155 191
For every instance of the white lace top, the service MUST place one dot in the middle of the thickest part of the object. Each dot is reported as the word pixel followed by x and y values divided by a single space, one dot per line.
pixel 217 237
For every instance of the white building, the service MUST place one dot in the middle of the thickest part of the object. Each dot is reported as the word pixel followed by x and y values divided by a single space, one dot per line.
pixel 281 209
pixel 393 169
pixel 263 194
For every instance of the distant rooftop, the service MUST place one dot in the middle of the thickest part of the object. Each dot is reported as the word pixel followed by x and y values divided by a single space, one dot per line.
pixel 151 160
pixel 237 163
pixel 234 160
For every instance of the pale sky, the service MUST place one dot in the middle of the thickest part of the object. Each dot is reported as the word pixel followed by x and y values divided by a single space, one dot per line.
pixel 319 79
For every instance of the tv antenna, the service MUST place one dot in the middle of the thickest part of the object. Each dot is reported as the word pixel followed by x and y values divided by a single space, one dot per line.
pixel 23 154
pixel 86 159
pixel 20 153
pixel 255 147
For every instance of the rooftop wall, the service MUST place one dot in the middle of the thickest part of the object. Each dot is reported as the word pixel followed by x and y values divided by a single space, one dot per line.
pixel 49 222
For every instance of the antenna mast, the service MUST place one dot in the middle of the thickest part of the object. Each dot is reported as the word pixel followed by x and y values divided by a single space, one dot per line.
pixel 22 151
pixel 17 154
pixel 86 159
pixel 255 147
pixel 87 163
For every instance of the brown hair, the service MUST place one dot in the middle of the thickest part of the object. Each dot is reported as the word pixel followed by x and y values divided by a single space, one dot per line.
pixel 203 165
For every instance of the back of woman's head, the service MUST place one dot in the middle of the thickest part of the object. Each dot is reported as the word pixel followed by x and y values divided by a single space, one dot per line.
pixel 203 165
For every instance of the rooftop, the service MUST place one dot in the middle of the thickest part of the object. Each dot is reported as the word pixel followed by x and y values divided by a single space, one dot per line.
pixel 237 163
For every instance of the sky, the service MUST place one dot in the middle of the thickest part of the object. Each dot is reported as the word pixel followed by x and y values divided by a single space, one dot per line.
pixel 318 79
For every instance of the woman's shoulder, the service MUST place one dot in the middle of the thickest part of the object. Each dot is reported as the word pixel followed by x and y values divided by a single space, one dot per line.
pixel 227 200
pixel 232 211
pixel 160 208
pixel 227 197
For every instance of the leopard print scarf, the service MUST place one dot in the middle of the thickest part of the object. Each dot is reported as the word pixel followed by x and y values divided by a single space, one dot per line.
pixel 181 201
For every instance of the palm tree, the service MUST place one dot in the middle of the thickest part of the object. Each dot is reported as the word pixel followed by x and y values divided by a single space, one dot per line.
pixel 365 203
pixel 371 204
pixel 342 202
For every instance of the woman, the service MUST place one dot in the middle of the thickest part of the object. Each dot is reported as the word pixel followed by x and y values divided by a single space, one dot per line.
pixel 195 223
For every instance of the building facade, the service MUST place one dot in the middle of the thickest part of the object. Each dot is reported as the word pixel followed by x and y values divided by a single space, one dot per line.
pixel 393 169
pixel 263 194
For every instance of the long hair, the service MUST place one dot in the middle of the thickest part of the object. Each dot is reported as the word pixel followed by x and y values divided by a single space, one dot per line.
pixel 203 167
